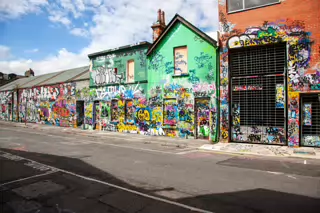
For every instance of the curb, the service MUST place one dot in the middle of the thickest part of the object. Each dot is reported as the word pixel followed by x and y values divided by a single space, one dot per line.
pixel 103 136
pixel 266 155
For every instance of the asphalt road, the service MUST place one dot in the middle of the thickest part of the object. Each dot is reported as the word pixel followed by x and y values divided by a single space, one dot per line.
pixel 127 174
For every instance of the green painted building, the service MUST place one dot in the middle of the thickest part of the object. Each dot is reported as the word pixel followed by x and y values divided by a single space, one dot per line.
pixel 118 87
pixel 182 82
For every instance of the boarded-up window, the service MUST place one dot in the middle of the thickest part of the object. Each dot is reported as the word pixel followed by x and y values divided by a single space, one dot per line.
pixel 130 71
pixel 180 60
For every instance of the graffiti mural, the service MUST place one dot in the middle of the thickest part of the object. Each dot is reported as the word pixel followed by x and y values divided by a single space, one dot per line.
pixel 279 96
pixel 302 70
pixel 54 105
pixel 307 112
pixel 5 105
pixel 203 118
pixel 236 131
pixel 311 140
pixel 175 81
pixel 293 125
pixel 170 112
pixel 129 112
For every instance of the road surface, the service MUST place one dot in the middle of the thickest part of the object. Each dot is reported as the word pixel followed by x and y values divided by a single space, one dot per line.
pixel 50 171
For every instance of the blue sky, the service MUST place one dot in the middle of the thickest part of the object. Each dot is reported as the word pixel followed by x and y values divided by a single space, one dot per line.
pixel 52 35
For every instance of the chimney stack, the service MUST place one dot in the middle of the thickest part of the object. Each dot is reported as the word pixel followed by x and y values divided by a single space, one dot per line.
pixel 159 16
pixel 159 25
pixel 29 73
pixel 163 21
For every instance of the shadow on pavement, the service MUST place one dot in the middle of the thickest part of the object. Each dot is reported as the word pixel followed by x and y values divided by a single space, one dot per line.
pixel 82 196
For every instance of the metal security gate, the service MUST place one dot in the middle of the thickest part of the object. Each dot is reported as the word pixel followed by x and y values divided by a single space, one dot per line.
pixel 310 120
pixel 258 94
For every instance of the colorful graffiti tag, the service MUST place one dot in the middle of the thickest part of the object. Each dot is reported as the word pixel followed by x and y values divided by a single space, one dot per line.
pixel 5 105
pixel 301 76
pixel 55 104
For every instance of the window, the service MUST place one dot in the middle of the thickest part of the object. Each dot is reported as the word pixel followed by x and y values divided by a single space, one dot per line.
pixel 180 60
pixel 238 5
pixel 130 71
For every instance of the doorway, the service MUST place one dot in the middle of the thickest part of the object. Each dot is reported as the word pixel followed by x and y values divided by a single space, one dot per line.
pixel 80 113
pixel 96 113
pixel 310 120
pixel 202 118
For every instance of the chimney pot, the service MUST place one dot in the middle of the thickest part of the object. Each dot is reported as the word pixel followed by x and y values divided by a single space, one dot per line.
pixel 163 20
pixel 159 16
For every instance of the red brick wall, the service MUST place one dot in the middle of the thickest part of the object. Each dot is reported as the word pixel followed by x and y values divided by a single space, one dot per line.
pixel 296 22
pixel 306 11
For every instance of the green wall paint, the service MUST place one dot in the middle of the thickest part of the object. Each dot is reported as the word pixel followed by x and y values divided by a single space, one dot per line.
pixel 103 67
pixel 113 91
pixel 201 59
pixel 181 116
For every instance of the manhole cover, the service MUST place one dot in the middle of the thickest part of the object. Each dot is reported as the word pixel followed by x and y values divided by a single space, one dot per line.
pixel 38 189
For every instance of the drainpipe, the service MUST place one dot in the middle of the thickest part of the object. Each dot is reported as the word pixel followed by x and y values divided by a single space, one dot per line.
pixel 217 136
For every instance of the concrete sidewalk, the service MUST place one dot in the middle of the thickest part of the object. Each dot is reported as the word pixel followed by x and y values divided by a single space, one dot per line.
pixel 235 148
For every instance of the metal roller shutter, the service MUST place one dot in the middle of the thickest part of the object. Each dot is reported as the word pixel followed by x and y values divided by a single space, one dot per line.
pixel 258 94
pixel 310 125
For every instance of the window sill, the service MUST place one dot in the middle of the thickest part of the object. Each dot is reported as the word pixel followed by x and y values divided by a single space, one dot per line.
pixel 181 75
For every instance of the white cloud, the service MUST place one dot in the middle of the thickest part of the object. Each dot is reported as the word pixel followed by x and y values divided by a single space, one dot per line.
pixel 32 50
pixel 5 52
pixel 79 32
pixel 59 17
pixel 63 60
pixel 10 9
pixel 114 23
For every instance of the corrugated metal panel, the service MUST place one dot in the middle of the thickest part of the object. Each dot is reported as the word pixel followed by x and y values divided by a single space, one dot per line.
pixel 84 76
pixel 19 82
pixel 66 75
pixel 40 79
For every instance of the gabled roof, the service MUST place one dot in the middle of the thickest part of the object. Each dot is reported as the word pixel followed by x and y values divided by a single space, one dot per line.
pixel 178 18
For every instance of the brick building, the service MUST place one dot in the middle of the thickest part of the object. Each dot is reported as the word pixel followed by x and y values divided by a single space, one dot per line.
pixel 270 71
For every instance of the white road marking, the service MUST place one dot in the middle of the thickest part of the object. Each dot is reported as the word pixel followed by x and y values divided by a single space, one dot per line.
pixel 186 152
pixel 290 176
pixel 27 178
pixel 275 173
pixel 121 188
pixel 285 165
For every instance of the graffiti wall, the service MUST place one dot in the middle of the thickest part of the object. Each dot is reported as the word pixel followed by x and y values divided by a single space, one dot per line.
pixel 240 30
pixel 6 105
pixel 53 105
pixel 175 80
pixel 111 68
pixel 120 97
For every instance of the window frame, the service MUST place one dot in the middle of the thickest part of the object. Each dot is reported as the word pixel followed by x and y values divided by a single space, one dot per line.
pixel 174 61
pixel 250 8
pixel 127 74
